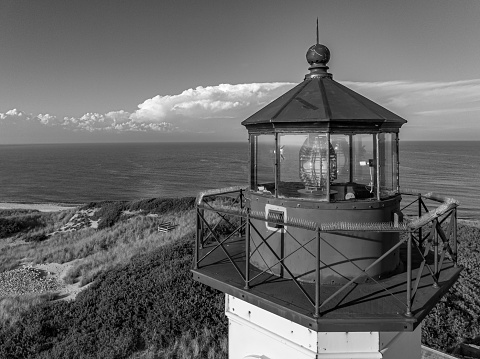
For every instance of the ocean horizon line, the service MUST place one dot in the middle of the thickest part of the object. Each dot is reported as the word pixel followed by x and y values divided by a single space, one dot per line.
pixel 192 142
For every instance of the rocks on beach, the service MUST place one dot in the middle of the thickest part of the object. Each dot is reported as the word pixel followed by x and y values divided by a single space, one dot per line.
pixel 40 278
pixel 26 280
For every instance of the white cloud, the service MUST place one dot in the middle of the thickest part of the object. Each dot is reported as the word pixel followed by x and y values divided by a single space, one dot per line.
pixel 450 111
pixel 118 116
pixel 422 98
pixel 46 119
pixel 14 114
pixel 434 110
pixel 428 106
pixel 212 101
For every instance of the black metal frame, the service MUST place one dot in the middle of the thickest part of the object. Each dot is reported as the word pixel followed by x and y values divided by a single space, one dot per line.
pixel 414 238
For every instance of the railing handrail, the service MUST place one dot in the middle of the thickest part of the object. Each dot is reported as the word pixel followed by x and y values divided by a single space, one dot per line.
pixel 447 204
pixel 415 238
pixel 430 195
pixel 218 191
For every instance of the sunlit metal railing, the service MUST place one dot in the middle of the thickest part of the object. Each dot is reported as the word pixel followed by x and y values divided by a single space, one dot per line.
pixel 433 229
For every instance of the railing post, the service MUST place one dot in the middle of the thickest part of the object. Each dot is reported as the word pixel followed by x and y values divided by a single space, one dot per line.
pixel 435 247
pixel 455 237
pixel 198 238
pixel 242 231
pixel 317 276
pixel 247 251
pixel 200 226
pixel 409 274
pixel 420 234
pixel 277 164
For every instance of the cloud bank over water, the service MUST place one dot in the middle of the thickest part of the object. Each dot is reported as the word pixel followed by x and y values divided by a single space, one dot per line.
pixel 224 100
pixel 434 110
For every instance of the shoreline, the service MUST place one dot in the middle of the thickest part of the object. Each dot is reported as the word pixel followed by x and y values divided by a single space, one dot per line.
pixel 42 207
pixel 62 206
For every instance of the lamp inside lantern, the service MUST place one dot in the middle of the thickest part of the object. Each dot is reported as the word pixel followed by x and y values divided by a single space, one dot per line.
pixel 315 157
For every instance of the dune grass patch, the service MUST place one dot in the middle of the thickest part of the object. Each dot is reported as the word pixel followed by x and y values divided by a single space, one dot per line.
pixel 151 303
pixel 142 301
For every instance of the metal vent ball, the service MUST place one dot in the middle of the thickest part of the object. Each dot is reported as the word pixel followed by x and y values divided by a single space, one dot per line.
pixel 318 54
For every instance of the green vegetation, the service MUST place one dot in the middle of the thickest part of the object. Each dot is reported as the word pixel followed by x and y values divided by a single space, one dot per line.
pixel 110 212
pixel 456 318
pixel 142 302
pixel 26 226
pixel 10 225
pixel 121 236
pixel 147 304
pixel 12 308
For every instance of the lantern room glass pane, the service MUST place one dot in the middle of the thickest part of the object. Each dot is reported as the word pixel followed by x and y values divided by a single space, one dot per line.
pixel 388 159
pixel 363 166
pixel 341 145
pixel 263 161
pixel 289 146
pixel 307 166
pixel 310 165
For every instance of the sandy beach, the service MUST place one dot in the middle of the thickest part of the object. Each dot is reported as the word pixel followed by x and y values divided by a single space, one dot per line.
pixel 51 272
pixel 42 207
pixel 58 272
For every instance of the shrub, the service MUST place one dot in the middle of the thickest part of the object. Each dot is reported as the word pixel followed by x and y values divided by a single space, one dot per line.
pixel 150 302
pixel 456 318
pixel 109 213
pixel 144 303
pixel 163 206
pixel 35 237
pixel 16 212
pixel 11 308
pixel 9 226
pixel 16 224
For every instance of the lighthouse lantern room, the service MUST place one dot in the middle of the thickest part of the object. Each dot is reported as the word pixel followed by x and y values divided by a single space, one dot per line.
pixel 315 255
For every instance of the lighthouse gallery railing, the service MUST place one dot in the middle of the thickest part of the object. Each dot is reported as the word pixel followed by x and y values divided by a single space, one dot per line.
pixel 222 216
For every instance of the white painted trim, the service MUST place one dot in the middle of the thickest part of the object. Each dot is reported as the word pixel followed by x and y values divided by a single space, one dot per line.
pixel 241 321
pixel 261 323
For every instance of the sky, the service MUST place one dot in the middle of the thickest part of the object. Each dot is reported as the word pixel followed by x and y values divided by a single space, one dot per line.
pixel 141 70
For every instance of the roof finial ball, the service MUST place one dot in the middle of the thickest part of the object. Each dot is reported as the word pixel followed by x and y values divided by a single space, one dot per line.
pixel 318 56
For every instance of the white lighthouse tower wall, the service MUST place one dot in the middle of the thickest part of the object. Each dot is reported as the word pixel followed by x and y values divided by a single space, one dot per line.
pixel 255 333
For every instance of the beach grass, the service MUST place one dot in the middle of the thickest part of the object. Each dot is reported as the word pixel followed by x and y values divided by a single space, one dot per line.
pixel 139 278
pixel 12 308
pixel 201 345
pixel 131 229
pixel 149 307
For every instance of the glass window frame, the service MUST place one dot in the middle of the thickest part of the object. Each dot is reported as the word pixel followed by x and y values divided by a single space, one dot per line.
pixel 388 158
pixel 377 150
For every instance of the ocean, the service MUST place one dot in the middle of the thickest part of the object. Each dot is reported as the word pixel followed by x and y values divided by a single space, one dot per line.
pixel 82 173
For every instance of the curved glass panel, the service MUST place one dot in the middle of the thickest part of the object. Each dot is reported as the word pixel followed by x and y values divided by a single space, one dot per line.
pixel 324 167
pixel 307 166
pixel 388 159
pixel 341 146
pixel 263 163
pixel 364 166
